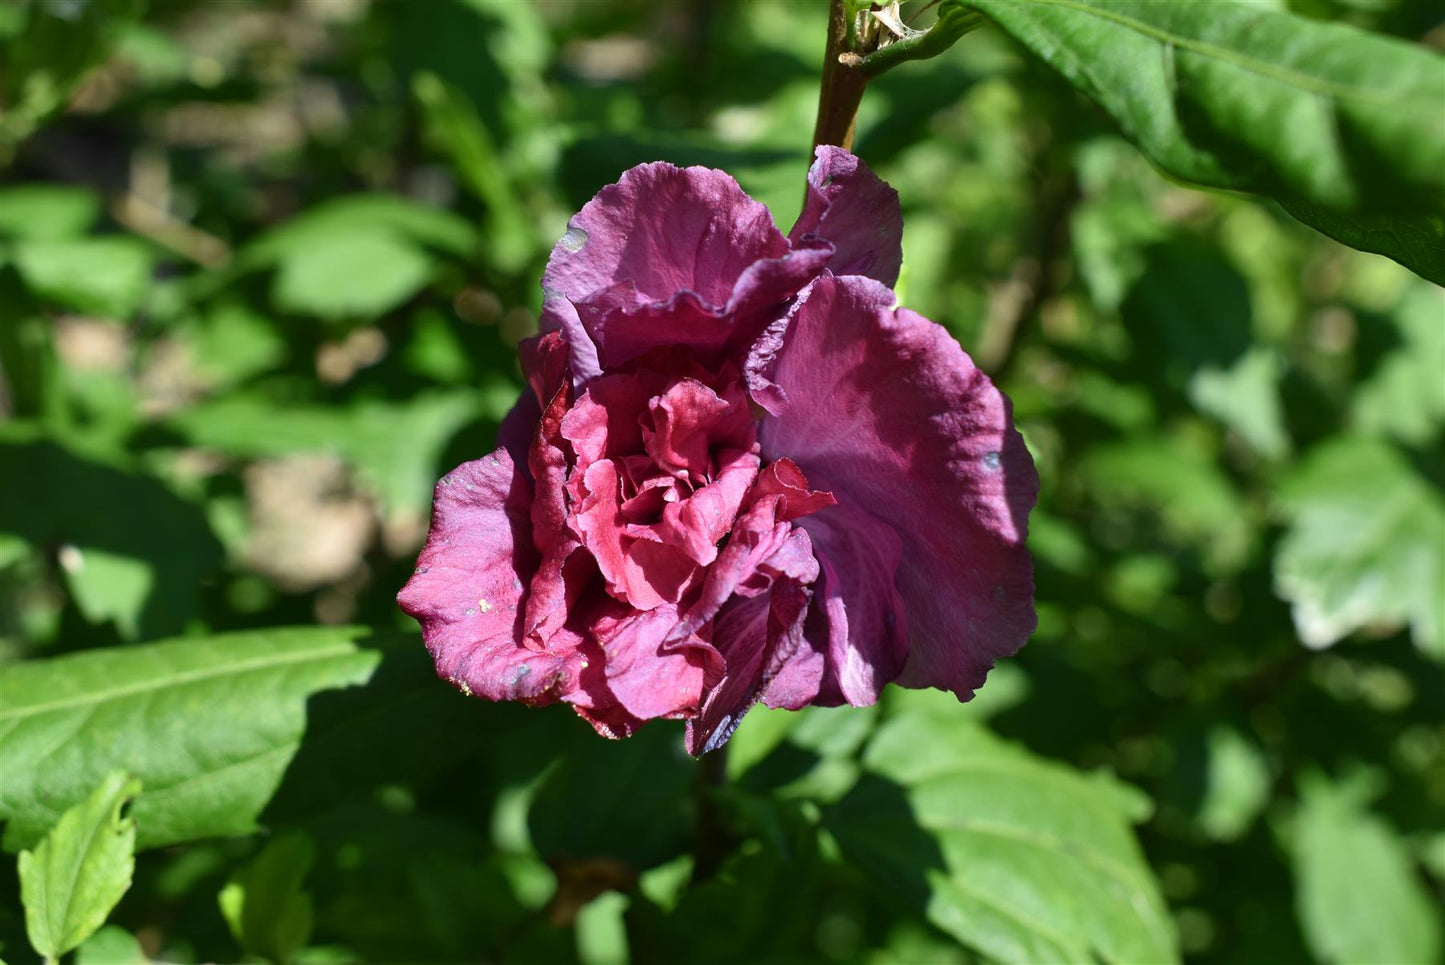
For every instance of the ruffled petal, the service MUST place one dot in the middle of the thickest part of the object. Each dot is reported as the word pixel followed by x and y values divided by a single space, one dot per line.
pixel 661 230
pixel 881 407
pixel 852 209
pixel 758 634
pixel 648 679
pixel 469 581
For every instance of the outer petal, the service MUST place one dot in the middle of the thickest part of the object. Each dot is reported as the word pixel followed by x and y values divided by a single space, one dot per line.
pixel 468 585
pixel 670 256
pixel 849 207
pixel 886 411
pixel 661 230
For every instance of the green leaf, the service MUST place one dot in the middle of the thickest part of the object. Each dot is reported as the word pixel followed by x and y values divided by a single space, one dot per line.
pixel 1229 95
pixel 70 883
pixel 1360 900
pixel 47 211
pixel 1405 396
pixel 107 276
pixel 1416 241
pixel 112 945
pixel 265 903
pixel 227 732
pixel 362 214
pixel 1020 858
pixel 135 548
pixel 351 276
pixel 1194 500
pixel 394 446
pixel 1365 546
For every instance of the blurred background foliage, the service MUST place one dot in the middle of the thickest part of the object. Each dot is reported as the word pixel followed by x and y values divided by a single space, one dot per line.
pixel 263 266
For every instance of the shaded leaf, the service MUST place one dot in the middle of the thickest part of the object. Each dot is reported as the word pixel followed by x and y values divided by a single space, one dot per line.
pixel 265 903
pixel 1365 547
pixel 1405 396
pixel 70 883
pixel 1022 859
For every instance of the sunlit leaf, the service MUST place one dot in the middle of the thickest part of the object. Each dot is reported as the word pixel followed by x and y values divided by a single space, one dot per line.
pixel 1360 901
pixel 1365 547
pixel 70 883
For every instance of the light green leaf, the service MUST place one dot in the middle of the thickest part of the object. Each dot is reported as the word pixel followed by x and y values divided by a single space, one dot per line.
pixel 362 214
pixel 70 883
pixel 1020 858
pixel 1245 397
pixel 112 945
pixel 1236 784
pixel 107 276
pixel 225 730
pixel 1230 95
pixel 1405 396
pixel 395 447
pixel 1360 901
pixel 351 276
pixel 265 903
pixel 1365 547
pixel 46 211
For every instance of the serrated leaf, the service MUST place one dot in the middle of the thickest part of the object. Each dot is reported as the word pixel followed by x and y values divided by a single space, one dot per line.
pixel 1022 859
pixel 1230 95
pixel 1360 901
pixel 226 732
pixel 1365 546
pixel 70 883
pixel 1405 396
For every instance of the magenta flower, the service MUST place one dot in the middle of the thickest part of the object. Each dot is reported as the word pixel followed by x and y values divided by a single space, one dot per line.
pixel 742 473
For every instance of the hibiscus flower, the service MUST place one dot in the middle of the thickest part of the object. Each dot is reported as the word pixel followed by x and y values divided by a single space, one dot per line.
pixel 740 473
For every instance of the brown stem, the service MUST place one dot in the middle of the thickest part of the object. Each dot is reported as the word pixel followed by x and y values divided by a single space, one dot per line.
pixel 842 85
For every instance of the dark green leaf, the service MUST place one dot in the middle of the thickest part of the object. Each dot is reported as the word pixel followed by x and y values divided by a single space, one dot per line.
pixel 70 883
pixel 1231 95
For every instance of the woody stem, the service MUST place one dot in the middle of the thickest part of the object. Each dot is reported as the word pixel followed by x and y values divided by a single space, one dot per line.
pixel 842 84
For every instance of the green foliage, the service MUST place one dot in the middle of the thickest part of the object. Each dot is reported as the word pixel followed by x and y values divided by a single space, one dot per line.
pixel 1366 546
pixel 73 879
pixel 1021 859
pixel 265 903
pixel 1360 899
pixel 214 728
pixel 263 269
pixel 1233 96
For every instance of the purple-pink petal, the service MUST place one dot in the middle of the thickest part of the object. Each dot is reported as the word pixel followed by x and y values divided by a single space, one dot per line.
pixel 469 583
pixel 883 409
pixel 853 210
